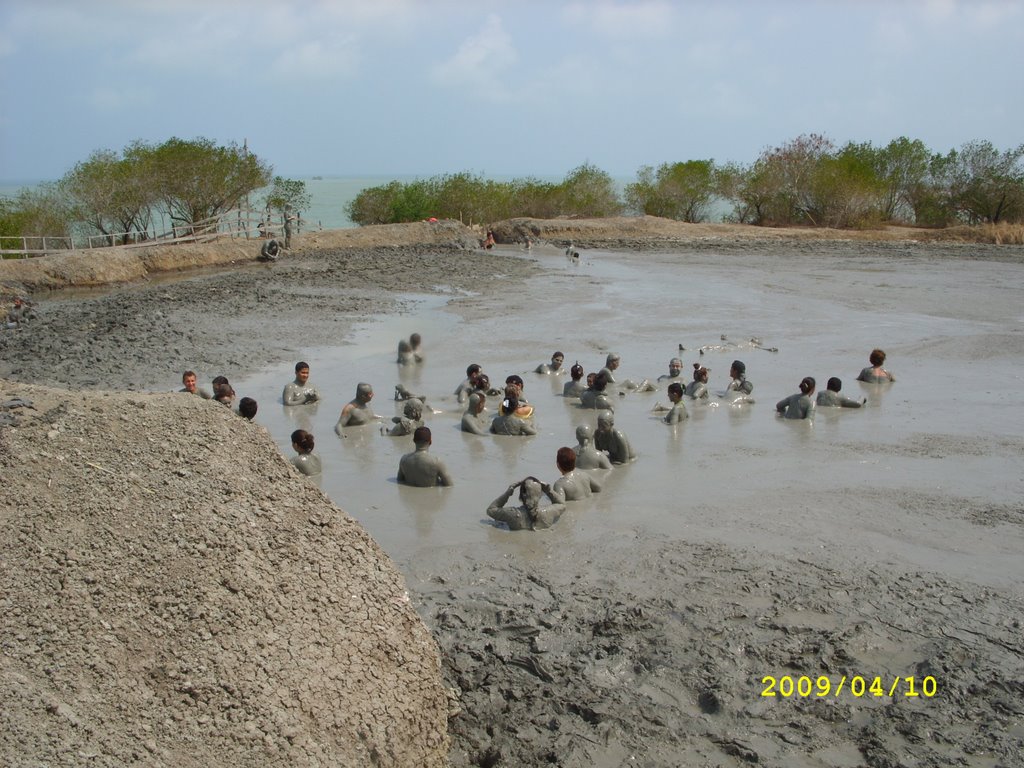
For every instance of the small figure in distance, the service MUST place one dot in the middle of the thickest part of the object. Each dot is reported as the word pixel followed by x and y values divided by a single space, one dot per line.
pixel 410 420
pixel 357 411
pixel 188 381
pixel 270 251
pixel 472 420
pixel 875 373
pixel 678 411
pixel 223 392
pixel 612 441
pixel 508 422
pixel 469 383
pixel 571 252
pixel 289 221
pixel 576 387
pixel 300 392
pixel 307 462
pixel 595 396
pixel 831 398
pixel 421 468
pixel 555 366
pixel 489 241
pixel 587 456
pixel 410 352
pixel 573 485
pixel 800 405
pixel 698 388
pixel 247 408
pixel 20 312
pixel 738 376
pixel 529 515
pixel 675 371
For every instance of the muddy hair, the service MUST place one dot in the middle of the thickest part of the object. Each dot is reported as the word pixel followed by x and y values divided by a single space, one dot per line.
pixel 700 373
pixel 566 459
pixel 304 440
pixel 877 357
pixel 676 388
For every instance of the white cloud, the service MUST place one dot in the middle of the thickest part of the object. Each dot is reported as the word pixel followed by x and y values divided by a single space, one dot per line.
pixel 480 62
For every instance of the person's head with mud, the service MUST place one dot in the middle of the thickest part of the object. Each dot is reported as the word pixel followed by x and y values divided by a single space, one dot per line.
pixel 584 434
pixel 364 393
pixel 700 373
pixel 477 402
pixel 188 381
pixel 517 382
pixel 612 362
pixel 302 441
pixel 877 358
pixel 675 391
pixel 565 460
pixel 422 438
pixel 223 392
pixel 413 409
pixel 301 372
pixel 530 491
pixel 738 369
pixel 247 407
pixel 576 372
pixel 675 368
pixel 472 371
pixel 807 385
pixel 834 384
pixel 600 383
pixel 415 341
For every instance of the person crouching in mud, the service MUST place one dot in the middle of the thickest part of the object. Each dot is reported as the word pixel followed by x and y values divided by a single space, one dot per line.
pixel 270 251
pixel 529 515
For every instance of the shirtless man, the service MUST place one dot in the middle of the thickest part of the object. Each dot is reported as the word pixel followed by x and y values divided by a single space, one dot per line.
pixel 595 395
pixel 555 366
pixel 587 456
pixel 529 515
pixel 611 440
pixel 357 412
pixel 611 364
pixel 472 420
pixel 188 380
pixel 576 387
pixel 675 372
pixel 299 392
pixel 410 420
pixel 469 383
pixel 573 485
pixel 421 468
pixel 831 398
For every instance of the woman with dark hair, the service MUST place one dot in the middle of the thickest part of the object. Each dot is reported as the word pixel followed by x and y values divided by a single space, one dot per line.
pixel 698 388
pixel 800 405
pixel 508 421
pixel 307 462
pixel 576 387
pixel 875 373
pixel 223 392
pixel 678 410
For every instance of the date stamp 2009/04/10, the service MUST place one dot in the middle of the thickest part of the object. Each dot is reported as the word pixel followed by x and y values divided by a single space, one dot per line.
pixel 857 686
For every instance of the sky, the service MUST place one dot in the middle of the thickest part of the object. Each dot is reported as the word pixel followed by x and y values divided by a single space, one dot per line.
pixel 501 87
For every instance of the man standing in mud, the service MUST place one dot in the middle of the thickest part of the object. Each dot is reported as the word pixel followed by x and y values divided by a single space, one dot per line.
pixel 611 440
pixel 421 468
pixel 357 411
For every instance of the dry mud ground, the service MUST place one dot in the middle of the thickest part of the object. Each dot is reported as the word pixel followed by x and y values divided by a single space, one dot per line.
pixel 645 652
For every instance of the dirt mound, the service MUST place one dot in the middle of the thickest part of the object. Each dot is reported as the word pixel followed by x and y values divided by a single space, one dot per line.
pixel 174 592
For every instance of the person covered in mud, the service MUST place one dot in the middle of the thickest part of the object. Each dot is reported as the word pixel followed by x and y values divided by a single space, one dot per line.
pixel 483 385
pixel 675 371
pixel 410 420
pixel 20 312
pixel 875 373
pixel 469 383
pixel 421 468
pixel 489 241
pixel 611 364
pixel 678 411
pixel 831 398
pixel 800 405
pixel 270 251
pixel 595 396
pixel 247 408
pixel 357 411
pixel 612 441
pixel 573 485
pixel 698 388
pixel 190 385
pixel 300 391
pixel 223 392
pixel 529 515
pixel 738 378
pixel 587 456
pixel 307 462
pixel 555 366
pixel 576 387
pixel 508 421
pixel 514 382
pixel 473 419
pixel 411 352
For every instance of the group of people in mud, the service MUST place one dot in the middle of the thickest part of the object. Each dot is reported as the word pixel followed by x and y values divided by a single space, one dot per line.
pixel 582 468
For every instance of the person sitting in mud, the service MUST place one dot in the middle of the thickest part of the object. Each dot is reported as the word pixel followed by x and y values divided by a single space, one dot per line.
pixel 223 392
pixel 410 352
pixel 188 381
pixel 307 462
pixel 573 485
pixel 508 421
pixel 738 378
pixel 555 366
pixel 595 395
pixel 357 411
pixel 300 392
pixel 678 411
pixel 20 312
pixel 515 383
pixel 270 251
pixel 800 405
pixel 410 420
pixel 489 241
pixel 469 383
pixel 612 441
pixel 875 373
pixel 587 456
pixel 247 408
pixel 529 515
pixel 698 388
pixel 675 371
pixel 473 420
pixel 831 398
pixel 576 387
pixel 421 468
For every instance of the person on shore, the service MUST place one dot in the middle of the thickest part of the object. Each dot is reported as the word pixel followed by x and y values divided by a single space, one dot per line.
pixel 247 408
pixel 595 396
pixel 473 420
pixel 300 392
pixel 555 366
pixel 698 388
pixel 357 411
pixel 800 405
pixel 678 411
pixel 290 220
pixel 410 352
pixel 468 384
pixel 576 387
pixel 529 515
pixel 307 462
pixel 831 398
pixel 508 421
pixel 612 441
pixel 587 456
pixel 738 378
pixel 223 392
pixel 875 373
pixel 270 251
pixel 675 371
pixel 190 385
pixel 421 468
pixel 410 420
pixel 573 485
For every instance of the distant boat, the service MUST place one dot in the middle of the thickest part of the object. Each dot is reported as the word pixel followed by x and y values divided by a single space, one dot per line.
pixel 318 178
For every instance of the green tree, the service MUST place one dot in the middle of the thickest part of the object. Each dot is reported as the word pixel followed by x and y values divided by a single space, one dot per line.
pixel 111 195
pixel 902 167
pixel 982 184
pixel 35 214
pixel 590 192
pixel 681 191
pixel 374 205
pixel 287 195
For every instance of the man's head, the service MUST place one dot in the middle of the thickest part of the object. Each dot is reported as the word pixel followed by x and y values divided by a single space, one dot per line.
pixel 584 433
pixel 530 491
pixel 188 379
pixel 472 371
pixel 675 391
pixel 565 459
pixel 556 360
pixel 364 392
pixel 247 407
pixel 612 361
pixel 576 372
pixel 675 366
pixel 514 381
pixel 605 421
pixel 834 384
pixel 302 372
pixel 421 437
pixel 477 402
pixel 413 409
pixel 738 369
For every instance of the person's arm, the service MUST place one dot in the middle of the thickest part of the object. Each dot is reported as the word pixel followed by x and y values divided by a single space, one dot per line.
pixel 346 415
pixel 443 478
pixel 595 484
pixel 293 395
pixel 500 502
pixel 780 406
pixel 555 492
pixel 849 402
pixel 401 473
pixel 528 428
